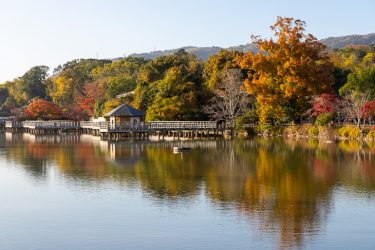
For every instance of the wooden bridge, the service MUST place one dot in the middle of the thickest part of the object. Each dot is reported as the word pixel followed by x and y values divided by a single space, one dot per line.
pixel 189 129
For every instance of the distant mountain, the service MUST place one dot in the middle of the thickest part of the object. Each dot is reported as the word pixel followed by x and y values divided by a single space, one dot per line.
pixel 343 41
pixel 204 52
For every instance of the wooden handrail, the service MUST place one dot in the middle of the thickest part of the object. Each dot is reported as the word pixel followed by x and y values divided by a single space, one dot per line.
pixel 153 125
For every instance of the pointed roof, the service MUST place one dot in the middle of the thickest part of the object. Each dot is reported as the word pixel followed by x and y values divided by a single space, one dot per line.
pixel 125 110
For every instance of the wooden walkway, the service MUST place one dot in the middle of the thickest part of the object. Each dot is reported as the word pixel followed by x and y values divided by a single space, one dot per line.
pixel 107 131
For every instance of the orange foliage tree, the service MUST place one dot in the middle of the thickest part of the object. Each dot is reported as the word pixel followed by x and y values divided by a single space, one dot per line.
pixel 85 103
pixel 286 72
pixel 43 109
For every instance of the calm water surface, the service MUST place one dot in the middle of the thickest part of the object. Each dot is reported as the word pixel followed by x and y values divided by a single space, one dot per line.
pixel 79 193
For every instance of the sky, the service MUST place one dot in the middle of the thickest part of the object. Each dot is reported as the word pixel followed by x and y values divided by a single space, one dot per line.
pixel 52 32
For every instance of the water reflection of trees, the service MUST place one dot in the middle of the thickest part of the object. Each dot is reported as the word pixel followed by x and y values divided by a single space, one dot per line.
pixel 284 186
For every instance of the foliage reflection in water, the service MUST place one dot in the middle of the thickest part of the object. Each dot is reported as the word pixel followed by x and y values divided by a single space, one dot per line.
pixel 286 188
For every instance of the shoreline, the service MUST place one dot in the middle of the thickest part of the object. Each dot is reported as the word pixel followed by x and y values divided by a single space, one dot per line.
pixel 310 131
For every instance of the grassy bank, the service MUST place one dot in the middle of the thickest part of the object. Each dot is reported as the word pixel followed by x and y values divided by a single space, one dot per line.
pixel 318 132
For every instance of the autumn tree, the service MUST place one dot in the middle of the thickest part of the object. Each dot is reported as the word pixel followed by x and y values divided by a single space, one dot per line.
pixel 111 104
pixel 353 56
pixel 325 103
pixel 85 102
pixel 368 109
pixel 43 109
pixel 353 106
pixel 287 71
pixel 70 79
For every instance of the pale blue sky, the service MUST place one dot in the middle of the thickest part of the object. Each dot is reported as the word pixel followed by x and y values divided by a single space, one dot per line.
pixel 51 32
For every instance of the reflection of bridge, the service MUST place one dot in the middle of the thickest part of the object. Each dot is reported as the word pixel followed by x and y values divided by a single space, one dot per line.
pixel 174 129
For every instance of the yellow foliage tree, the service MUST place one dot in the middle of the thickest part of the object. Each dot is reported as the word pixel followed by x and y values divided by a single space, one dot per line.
pixel 111 104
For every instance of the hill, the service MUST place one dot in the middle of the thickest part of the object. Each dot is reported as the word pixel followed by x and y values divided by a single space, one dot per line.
pixel 204 52
pixel 343 41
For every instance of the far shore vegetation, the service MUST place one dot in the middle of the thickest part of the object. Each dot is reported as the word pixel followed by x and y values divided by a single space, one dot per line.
pixel 292 80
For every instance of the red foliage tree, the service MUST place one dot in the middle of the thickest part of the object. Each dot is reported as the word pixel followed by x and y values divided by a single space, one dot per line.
pixel 86 102
pixel 76 114
pixel 43 109
pixel 325 103
pixel 368 109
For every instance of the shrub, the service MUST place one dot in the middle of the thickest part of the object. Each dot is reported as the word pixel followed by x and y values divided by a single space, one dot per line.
pixel 263 127
pixel 304 130
pixel 270 130
pixel 349 132
pixel 291 131
pixel 344 131
pixel 326 133
pixel 313 131
pixel 371 133
pixel 355 133
pixel 324 119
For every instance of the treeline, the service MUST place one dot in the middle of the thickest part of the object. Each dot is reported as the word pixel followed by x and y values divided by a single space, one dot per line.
pixel 293 78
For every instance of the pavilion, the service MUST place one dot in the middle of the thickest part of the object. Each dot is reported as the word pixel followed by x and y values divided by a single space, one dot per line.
pixel 124 116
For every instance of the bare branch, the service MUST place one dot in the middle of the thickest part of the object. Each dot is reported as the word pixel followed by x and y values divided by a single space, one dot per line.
pixel 230 97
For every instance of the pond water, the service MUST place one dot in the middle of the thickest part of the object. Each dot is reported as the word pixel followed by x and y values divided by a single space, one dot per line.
pixel 74 192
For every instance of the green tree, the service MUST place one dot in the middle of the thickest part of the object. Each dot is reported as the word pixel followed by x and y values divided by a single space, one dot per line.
pixel 119 76
pixel 170 88
pixel 32 84
pixel 216 64
pixel 4 95
pixel 362 80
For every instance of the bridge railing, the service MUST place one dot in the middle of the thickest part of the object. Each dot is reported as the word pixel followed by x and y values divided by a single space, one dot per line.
pixel 90 124
pixel 183 125
pixel 49 124
pixel 13 124
pixel 128 126
pixel 106 126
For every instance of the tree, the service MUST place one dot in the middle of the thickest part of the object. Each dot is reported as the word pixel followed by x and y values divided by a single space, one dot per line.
pixel 362 80
pixel 325 103
pixel 368 109
pixel 4 94
pixel 168 109
pixel 86 102
pixel 353 105
pixel 230 97
pixel 286 72
pixel 216 64
pixel 70 80
pixel 39 108
pixel 170 88
pixel 32 84
pixel 119 76
pixel 111 104
pixel 353 56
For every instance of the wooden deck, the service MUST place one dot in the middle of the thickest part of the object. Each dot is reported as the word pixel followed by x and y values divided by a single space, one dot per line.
pixel 105 130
